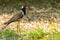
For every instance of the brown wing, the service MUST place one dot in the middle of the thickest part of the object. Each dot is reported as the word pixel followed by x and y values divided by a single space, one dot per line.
pixel 16 17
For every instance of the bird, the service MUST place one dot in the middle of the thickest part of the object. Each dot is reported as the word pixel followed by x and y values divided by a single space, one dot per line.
pixel 17 17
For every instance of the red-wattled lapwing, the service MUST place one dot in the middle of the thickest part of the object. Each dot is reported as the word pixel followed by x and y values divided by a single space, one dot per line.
pixel 17 17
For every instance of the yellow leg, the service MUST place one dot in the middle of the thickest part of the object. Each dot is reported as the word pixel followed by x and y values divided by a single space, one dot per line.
pixel 18 28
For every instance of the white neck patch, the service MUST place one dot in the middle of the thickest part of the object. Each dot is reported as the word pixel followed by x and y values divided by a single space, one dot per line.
pixel 22 12
pixel 22 7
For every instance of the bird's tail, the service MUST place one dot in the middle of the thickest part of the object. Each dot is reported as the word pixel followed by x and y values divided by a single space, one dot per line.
pixel 6 23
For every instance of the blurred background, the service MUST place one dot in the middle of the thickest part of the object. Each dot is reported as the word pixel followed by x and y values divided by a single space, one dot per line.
pixel 42 21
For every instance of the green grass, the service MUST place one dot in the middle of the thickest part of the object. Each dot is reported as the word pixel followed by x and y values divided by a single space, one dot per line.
pixel 8 34
pixel 33 34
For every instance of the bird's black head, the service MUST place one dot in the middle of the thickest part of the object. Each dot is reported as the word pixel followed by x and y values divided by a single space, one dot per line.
pixel 23 8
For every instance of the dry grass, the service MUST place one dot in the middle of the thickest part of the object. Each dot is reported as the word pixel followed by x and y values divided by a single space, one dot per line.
pixel 46 20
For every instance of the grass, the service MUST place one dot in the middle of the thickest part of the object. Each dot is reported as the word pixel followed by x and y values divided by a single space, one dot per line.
pixel 38 31
pixel 8 35
pixel 33 34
